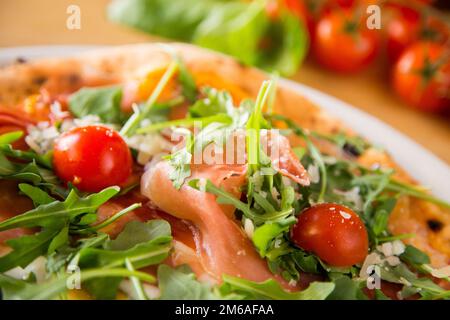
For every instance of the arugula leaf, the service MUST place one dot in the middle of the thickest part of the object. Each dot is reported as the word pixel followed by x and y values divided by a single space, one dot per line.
pixel 103 102
pixel 26 249
pixel 24 172
pixel 9 286
pixel 215 102
pixel 417 192
pixel 37 195
pixel 379 295
pixel 347 289
pixel 414 256
pixel 223 197
pixel 181 163
pixel 353 145
pixel 403 275
pixel 270 289
pixel 136 232
pixel 181 284
pixel 380 217
pixel 187 122
pixel 265 234
pixel 60 240
pixel 253 128
pixel 21 290
pixel 29 156
pixel 57 213
pixel 189 88
pixel 10 137
pixel 31 167
pixel 57 261
pixel 306 262
pixel 141 244
pixel 91 218
pixel 150 105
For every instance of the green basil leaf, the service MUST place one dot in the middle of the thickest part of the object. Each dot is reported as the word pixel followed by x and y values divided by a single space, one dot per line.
pixel 103 102
pixel 233 27
pixel 175 19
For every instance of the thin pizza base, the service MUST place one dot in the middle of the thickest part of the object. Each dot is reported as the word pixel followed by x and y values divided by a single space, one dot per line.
pixel 124 63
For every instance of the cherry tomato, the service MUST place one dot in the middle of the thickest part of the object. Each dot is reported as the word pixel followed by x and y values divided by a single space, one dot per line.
pixel 402 30
pixel 344 44
pixel 421 76
pixel 333 232
pixel 407 25
pixel 92 158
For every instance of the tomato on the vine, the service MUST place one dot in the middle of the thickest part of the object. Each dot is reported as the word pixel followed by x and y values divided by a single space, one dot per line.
pixel 92 158
pixel 333 232
pixel 343 43
pixel 421 76
pixel 402 30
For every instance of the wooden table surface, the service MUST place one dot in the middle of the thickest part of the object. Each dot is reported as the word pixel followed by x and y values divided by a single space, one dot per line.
pixel 43 22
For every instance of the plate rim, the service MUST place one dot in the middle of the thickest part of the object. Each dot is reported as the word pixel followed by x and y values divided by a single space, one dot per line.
pixel 415 159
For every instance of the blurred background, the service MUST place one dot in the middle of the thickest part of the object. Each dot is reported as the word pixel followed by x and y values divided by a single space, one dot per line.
pixel 388 58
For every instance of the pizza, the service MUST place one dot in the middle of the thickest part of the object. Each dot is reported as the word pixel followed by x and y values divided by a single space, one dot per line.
pixel 157 171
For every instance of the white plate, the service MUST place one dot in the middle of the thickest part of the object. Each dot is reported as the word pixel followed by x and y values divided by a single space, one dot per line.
pixel 424 166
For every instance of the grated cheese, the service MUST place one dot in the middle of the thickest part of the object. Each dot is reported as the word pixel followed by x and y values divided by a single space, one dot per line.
pixel 352 196
pixel 249 228
pixel 313 172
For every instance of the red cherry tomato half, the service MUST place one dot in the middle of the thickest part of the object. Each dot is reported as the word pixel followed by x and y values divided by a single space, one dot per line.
pixel 421 76
pixel 344 44
pixel 92 158
pixel 333 232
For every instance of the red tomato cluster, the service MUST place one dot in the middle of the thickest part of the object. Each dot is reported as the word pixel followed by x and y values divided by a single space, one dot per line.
pixel 416 44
